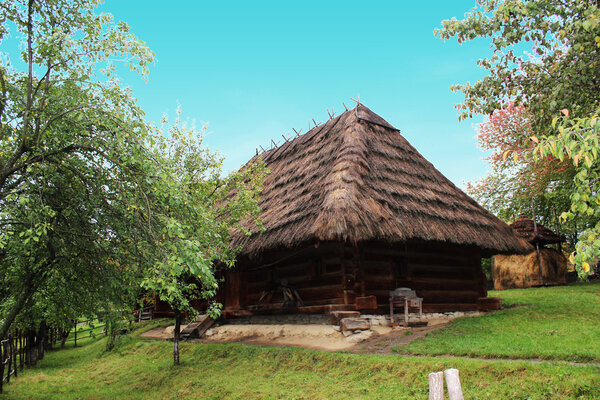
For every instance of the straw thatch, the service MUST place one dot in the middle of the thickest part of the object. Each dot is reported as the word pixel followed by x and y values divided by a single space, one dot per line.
pixel 355 178
pixel 522 271
pixel 526 229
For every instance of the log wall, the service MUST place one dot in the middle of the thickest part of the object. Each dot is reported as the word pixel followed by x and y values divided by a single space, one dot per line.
pixel 340 276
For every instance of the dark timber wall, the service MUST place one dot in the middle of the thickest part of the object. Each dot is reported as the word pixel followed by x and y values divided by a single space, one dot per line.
pixel 338 276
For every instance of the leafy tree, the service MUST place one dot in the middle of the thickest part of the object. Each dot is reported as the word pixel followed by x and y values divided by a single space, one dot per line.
pixel 198 207
pixel 93 200
pixel 545 56
pixel 72 160
pixel 518 182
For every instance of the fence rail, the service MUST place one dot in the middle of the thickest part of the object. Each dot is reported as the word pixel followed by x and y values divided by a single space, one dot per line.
pixel 24 348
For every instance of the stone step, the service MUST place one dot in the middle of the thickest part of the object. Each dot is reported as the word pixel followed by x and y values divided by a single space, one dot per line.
pixel 354 324
pixel 337 316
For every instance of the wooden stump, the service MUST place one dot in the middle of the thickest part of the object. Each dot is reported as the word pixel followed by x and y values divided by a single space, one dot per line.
pixel 436 386
pixel 453 384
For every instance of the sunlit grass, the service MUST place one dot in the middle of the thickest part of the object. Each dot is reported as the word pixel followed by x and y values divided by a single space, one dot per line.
pixel 143 369
pixel 560 322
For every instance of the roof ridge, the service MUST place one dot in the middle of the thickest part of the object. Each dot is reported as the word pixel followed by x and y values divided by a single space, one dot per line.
pixel 356 178
pixel 343 184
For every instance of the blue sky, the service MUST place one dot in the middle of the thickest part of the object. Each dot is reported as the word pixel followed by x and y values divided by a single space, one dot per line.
pixel 255 70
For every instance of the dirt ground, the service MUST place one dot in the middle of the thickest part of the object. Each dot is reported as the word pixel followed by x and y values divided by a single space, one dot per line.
pixel 379 340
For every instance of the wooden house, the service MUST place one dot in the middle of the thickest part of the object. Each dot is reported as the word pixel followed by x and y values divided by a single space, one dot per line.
pixel 540 266
pixel 351 211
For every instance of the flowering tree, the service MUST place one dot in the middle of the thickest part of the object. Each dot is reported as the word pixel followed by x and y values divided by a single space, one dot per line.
pixel 546 57
pixel 517 181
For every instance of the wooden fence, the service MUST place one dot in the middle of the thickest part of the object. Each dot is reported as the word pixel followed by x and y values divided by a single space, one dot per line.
pixel 25 348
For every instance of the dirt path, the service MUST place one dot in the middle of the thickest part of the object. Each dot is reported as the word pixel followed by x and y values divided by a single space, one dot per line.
pixel 380 340
pixel 383 344
pixel 325 338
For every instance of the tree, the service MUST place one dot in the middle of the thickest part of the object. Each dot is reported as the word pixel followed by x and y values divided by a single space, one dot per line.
pixel 545 56
pixel 518 182
pixel 73 157
pixel 96 204
pixel 198 209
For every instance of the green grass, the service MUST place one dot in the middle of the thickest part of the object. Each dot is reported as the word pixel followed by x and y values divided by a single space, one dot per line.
pixel 142 369
pixel 560 323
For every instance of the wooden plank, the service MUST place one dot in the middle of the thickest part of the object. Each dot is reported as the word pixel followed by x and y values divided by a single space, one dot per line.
pixel 448 296
pixel 379 285
pixel 448 307
pixel 438 284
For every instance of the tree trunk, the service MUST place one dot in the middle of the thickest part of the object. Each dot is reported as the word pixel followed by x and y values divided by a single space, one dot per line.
pixel 176 337
pixel 63 337
pixel 15 310
pixel 41 340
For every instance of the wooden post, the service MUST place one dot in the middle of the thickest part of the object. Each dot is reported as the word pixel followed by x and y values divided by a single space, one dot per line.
pixel 21 350
pixel 405 311
pixel 75 333
pixel 453 384
pixel 9 358
pixel 176 337
pixel 436 386
pixel 537 245
pixel 1 365
pixel 14 354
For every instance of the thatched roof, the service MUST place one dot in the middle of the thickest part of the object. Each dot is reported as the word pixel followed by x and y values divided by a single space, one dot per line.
pixel 524 228
pixel 355 178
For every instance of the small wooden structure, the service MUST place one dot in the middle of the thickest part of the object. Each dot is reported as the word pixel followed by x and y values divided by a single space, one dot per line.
pixel 351 211
pixel 407 299
pixel 540 266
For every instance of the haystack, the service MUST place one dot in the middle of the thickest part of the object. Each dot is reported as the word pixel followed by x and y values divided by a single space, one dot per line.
pixel 351 211
pixel 523 271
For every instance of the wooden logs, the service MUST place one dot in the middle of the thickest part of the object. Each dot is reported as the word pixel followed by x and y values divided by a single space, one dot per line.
pixel 366 303
pixel 436 386
pixel 453 384
pixel 489 303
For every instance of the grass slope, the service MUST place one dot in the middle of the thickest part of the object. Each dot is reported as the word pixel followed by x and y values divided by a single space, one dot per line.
pixel 561 323
pixel 140 369
pixel 555 323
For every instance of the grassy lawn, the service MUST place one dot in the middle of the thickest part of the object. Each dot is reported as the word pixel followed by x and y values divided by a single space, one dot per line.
pixel 561 323
pixel 141 369
pixel 558 323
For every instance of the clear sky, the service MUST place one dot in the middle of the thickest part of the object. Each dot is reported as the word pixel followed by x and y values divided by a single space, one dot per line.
pixel 254 70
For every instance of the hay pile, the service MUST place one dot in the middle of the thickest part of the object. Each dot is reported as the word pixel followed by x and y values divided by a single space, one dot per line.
pixel 521 271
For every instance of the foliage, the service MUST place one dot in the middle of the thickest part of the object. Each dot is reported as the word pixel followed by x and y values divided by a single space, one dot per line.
pixel 545 56
pixel 535 323
pixel 72 162
pixel 141 369
pixel 578 139
pixel 93 200
pixel 518 182
pixel 199 207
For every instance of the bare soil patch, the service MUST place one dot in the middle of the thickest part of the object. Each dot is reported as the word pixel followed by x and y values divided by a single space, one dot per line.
pixel 378 340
